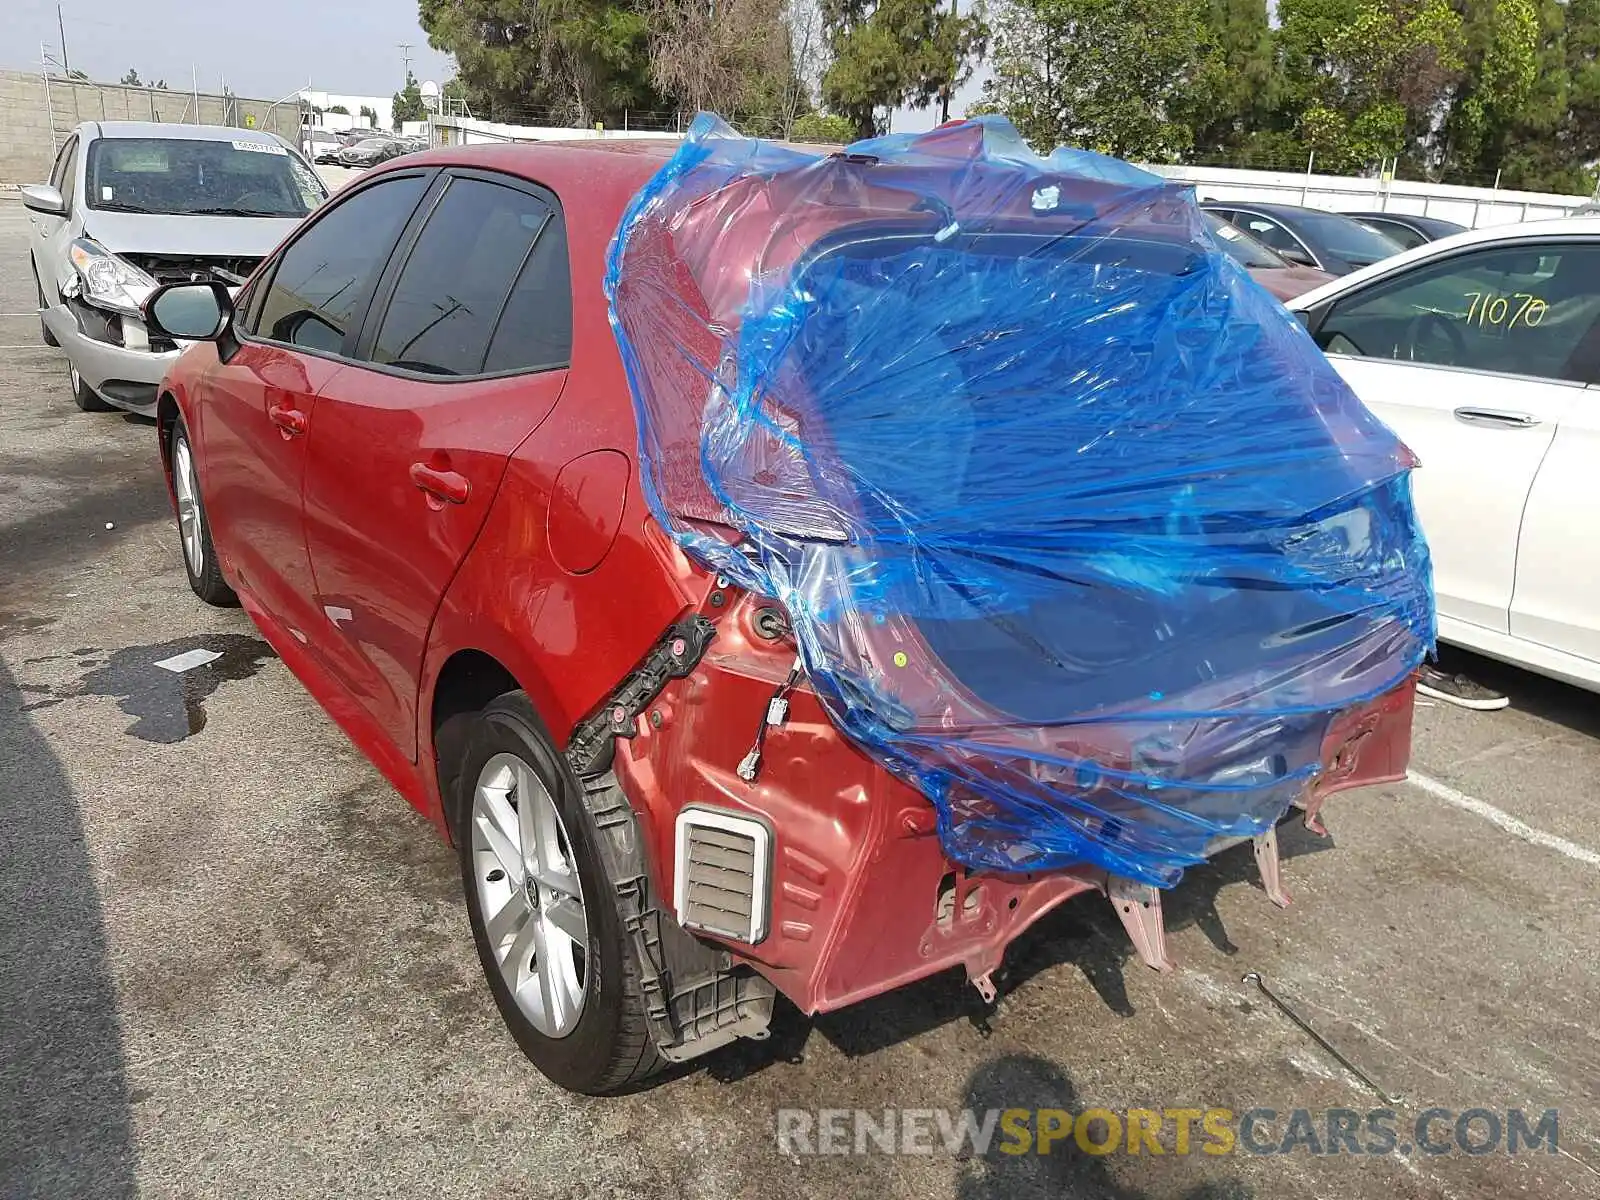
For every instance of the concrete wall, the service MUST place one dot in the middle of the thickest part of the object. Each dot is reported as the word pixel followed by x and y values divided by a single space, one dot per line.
pixel 26 118
pixel 1470 206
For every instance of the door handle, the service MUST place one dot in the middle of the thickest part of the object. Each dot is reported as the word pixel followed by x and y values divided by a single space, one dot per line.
pixel 291 422
pixel 1497 417
pixel 449 486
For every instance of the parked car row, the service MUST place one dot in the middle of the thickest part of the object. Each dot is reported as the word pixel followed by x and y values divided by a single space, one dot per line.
pixel 1481 349
pixel 361 148
pixel 409 448
pixel 1328 242
pixel 402 437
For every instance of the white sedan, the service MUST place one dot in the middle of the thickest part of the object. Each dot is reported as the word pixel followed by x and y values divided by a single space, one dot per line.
pixel 1482 351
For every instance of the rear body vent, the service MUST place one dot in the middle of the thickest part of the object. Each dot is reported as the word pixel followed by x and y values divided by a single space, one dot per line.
pixel 723 867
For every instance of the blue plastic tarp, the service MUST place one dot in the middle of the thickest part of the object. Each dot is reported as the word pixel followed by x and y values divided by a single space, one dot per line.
pixel 1078 530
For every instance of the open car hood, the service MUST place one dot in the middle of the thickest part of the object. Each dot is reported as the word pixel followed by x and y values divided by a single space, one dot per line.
pixel 1077 529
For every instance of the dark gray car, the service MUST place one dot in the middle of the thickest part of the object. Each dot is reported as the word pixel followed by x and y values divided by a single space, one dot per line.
pixel 1309 237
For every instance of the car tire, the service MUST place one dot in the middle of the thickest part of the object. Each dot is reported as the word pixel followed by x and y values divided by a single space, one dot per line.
pixel 605 1045
pixel 84 396
pixel 44 330
pixel 194 529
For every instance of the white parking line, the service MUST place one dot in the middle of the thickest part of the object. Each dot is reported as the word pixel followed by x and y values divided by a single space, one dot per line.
pixel 1504 820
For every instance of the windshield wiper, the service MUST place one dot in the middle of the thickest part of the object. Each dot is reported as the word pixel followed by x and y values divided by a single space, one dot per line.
pixel 118 206
pixel 233 212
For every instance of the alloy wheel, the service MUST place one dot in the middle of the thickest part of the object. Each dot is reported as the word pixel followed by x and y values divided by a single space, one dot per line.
pixel 188 489
pixel 529 894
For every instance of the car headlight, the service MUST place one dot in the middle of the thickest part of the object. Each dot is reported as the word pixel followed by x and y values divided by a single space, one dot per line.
pixel 109 281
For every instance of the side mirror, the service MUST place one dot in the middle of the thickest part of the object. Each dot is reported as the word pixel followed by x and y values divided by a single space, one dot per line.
pixel 194 312
pixel 1298 257
pixel 43 198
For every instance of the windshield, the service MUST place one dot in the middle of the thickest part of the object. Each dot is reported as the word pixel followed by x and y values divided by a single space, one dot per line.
pixel 176 176
pixel 1240 246
pixel 372 143
pixel 1349 239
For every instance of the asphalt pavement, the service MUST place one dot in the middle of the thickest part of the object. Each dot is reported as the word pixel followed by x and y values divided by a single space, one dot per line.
pixel 233 962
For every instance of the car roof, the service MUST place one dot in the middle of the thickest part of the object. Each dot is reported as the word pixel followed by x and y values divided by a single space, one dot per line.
pixel 173 131
pixel 604 173
pixel 1287 212
pixel 1437 224
pixel 1554 229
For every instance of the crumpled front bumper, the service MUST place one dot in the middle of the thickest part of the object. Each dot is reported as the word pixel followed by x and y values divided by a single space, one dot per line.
pixel 125 375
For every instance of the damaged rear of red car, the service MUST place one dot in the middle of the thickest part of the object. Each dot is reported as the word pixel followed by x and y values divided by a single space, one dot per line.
pixel 774 666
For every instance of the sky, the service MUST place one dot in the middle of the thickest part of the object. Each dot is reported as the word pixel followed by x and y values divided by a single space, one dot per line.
pixel 266 51
pixel 263 51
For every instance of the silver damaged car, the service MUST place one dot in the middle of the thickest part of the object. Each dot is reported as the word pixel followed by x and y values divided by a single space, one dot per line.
pixel 134 204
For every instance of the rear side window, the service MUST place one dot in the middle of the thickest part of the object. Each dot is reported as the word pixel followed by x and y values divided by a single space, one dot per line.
pixel 535 330
pixel 482 242
pixel 320 288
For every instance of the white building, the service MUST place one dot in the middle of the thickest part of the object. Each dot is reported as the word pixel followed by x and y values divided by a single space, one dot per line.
pixel 338 122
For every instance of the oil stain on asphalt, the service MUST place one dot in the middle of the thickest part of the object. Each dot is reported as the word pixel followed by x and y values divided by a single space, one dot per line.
pixel 166 706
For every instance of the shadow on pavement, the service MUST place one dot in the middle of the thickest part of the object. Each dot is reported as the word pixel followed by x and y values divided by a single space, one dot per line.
pixel 1084 932
pixel 65 1122
pixel 1066 1172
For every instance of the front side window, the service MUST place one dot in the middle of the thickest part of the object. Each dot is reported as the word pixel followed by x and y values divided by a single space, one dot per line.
pixel 321 284
pixel 1241 247
pixel 1270 234
pixel 1522 310
pixel 182 176
pixel 480 240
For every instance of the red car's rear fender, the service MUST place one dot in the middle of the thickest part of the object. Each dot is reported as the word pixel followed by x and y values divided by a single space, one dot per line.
pixel 567 634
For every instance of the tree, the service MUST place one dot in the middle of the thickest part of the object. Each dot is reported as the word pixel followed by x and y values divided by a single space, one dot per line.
pixel 730 57
pixel 579 60
pixel 808 59
pixel 1237 96
pixel 341 110
pixel 815 127
pixel 1579 131
pixel 369 115
pixel 888 53
pixel 407 104
pixel 1364 79
pixel 131 79
pixel 1507 114
pixel 1107 75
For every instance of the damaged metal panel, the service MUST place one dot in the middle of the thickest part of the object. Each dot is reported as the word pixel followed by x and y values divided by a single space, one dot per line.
pixel 1076 530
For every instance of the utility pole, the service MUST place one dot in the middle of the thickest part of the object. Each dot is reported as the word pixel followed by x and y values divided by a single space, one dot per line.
pixel 66 66
pixel 405 55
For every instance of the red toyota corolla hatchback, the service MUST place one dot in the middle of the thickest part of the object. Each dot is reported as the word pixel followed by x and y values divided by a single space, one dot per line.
pixel 408 449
